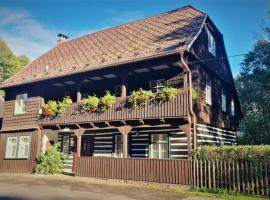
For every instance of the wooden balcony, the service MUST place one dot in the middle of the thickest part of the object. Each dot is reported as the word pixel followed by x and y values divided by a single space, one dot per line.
pixel 177 108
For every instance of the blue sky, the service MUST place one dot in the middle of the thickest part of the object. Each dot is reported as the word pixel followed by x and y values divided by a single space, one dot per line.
pixel 30 26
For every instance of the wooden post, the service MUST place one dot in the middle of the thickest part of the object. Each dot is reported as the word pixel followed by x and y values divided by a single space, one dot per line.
pixel 78 133
pixel 187 130
pixel 79 95
pixel 125 130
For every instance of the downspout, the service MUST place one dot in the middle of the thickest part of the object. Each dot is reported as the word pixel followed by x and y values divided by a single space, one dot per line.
pixel 191 111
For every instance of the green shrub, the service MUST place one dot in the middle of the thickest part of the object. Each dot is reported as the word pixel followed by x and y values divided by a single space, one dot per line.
pixel 51 162
pixel 195 95
pixel 252 153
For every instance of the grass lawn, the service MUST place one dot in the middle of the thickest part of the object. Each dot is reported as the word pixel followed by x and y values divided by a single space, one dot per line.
pixel 217 194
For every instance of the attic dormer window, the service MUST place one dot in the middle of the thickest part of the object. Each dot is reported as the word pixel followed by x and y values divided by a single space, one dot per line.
pixel 211 43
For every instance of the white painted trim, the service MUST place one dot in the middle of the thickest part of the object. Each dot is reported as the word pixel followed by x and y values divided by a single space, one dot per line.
pixel 211 136
pixel 201 129
pixel 216 128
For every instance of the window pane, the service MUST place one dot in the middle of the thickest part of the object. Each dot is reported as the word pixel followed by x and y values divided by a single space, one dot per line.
pixel 24 147
pixel 11 147
pixel 232 108
pixel 118 146
pixel 20 104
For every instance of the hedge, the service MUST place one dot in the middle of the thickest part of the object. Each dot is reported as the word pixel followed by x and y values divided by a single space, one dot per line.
pixel 253 153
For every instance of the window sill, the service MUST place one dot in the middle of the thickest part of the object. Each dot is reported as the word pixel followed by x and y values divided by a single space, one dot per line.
pixel 15 158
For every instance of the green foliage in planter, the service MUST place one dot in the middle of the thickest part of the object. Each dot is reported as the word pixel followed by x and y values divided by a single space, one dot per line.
pixel 195 95
pixel 50 108
pixel 252 153
pixel 107 101
pixel 62 105
pixel 91 103
pixel 166 94
pixel 53 108
pixel 139 98
pixel 51 162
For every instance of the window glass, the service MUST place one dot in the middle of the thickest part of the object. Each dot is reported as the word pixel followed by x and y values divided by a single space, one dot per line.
pixel 223 99
pixel 157 85
pixel 159 146
pixel 208 93
pixel 211 43
pixel 17 147
pixel 11 147
pixel 232 108
pixel 20 104
pixel 118 90
pixel 24 146
pixel 118 146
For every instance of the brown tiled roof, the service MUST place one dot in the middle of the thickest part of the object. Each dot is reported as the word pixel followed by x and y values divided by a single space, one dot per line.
pixel 158 35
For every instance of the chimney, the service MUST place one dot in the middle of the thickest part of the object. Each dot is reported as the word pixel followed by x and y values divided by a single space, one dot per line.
pixel 61 38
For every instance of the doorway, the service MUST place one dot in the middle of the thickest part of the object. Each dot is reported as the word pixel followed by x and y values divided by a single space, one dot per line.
pixel 87 145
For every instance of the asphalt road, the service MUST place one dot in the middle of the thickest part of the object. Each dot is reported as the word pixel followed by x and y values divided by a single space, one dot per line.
pixel 30 187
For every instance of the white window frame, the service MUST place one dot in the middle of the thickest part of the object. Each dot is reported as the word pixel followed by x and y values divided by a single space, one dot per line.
pixel 232 108
pixel 118 146
pixel 156 85
pixel 208 94
pixel 223 103
pixel 159 143
pixel 20 104
pixel 211 43
pixel 19 147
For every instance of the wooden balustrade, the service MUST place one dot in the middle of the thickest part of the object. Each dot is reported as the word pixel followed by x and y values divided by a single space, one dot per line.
pixel 172 109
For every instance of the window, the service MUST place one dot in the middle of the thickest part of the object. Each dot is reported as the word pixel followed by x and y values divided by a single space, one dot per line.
pixel 223 103
pixel 118 90
pixel 20 104
pixel 208 94
pixel 17 147
pixel 211 43
pixel 157 85
pixel 159 146
pixel 118 146
pixel 232 108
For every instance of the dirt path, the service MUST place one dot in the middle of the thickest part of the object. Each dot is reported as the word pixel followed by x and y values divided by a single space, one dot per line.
pixel 29 187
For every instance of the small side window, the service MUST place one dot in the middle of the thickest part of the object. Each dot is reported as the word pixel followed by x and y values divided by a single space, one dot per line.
pixel 208 94
pixel 223 103
pixel 211 43
pixel 157 85
pixel 232 108
pixel 20 104
pixel 118 146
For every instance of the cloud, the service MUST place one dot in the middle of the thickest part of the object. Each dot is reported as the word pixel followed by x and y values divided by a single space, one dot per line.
pixel 24 34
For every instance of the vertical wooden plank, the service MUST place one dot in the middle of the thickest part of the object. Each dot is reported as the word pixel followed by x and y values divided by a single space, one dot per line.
pixel 256 179
pixel 214 173
pixel 201 173
pixel 237 176
pixel 229 176
pixel 252 178
pixel 233 176
pixel 209 174
pixel 266 178
pixel 243 183
pixel 247 177
pixel 261 179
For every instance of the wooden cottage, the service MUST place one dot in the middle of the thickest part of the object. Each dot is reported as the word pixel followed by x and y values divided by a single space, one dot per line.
pixel 179 56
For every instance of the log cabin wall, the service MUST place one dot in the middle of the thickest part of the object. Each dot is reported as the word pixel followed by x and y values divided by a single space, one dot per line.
pixel 21 121
pixel 19 165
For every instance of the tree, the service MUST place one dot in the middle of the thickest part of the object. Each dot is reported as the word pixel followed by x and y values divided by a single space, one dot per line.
pixel 10 64
pixel 253 85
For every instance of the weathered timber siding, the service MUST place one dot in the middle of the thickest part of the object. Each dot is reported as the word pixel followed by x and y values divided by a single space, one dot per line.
pixel 173 171
pixel 19 122
pixel 18 165
pixel 171 109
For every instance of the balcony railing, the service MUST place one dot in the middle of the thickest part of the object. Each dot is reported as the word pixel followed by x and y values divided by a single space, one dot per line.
pixel 176 108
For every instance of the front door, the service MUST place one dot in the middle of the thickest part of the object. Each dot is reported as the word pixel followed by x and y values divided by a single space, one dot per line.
pixel 66 143
pixel 87 146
